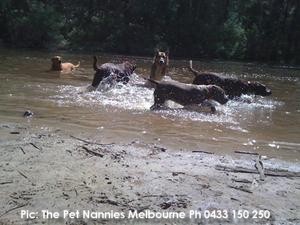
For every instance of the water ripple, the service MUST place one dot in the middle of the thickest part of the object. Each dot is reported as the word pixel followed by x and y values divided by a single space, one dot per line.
pixel 135 97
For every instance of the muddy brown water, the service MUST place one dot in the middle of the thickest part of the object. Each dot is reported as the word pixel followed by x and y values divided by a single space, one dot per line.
pixel 269 125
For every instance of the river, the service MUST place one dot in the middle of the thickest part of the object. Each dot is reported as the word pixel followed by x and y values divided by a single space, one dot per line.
pixel 269 125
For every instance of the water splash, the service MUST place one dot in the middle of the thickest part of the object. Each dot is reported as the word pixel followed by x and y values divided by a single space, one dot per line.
pixel 135 97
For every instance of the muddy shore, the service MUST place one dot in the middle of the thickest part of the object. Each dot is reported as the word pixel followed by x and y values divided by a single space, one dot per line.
pixel 49 169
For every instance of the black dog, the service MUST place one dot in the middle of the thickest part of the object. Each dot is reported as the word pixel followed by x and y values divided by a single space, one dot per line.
pixel 120 72
pixel 233 87
pixel 187 94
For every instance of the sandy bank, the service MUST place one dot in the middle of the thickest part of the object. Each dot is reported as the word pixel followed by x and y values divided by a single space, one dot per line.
pixel 45 169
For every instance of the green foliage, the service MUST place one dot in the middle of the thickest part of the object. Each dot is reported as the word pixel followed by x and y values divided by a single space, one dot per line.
pixel 233 39
pixel 228 29
pixel 34 25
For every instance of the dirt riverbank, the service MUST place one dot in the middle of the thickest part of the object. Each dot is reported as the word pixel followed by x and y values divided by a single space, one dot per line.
pixel 48 169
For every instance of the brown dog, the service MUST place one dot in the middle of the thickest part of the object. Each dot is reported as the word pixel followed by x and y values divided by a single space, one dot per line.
pixel 118 72
pixel 57 65
pixel 159 67
pixel 233 87
pixel 187 94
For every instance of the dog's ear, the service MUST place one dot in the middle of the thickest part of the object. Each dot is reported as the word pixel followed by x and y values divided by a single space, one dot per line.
pixel 167 52
pixel 133 67
pixel 157 51
pixel 155 55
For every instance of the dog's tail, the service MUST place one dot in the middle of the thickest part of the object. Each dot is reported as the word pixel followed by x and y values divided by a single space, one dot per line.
pixel 95 63
pixel 191 64
pixel 76 66
pixel 195 72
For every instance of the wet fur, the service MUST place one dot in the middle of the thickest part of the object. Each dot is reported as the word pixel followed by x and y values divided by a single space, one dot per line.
pixel 186 94
pixel 58 65
pixel 233 87
pixel 120 72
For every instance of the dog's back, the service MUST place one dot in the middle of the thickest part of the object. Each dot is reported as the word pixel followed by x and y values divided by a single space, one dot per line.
pixel 121 72
pixel 233 87
pixel 186 94
pixel 58 65
pixel 207 78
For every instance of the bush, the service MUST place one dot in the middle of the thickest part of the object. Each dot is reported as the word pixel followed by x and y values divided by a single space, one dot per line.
pixel 37 27
pixel 233 39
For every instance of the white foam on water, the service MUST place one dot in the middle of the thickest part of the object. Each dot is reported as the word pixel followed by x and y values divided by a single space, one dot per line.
pixel 137 98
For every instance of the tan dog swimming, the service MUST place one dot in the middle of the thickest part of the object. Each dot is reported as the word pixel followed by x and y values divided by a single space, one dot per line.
pixel 58 65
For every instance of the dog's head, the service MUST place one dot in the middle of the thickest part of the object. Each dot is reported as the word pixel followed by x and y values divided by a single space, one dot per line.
pixel 124 76
pixel 258 89
pixel 56 62
pixel 161 58
pixel 129 67
pixel 218 94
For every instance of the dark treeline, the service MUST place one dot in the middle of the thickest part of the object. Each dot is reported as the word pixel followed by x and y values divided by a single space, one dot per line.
pixel 259 30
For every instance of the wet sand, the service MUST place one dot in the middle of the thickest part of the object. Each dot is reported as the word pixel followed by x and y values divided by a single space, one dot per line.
pixel 50 169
